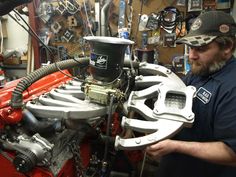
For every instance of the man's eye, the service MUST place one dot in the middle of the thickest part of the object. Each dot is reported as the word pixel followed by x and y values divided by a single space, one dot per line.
pixel 200 49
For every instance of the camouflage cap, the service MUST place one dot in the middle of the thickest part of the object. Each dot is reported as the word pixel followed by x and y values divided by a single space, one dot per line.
pixel 208 26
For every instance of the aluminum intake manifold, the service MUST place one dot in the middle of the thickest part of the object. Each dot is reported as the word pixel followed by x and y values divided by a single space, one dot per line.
pixel 171 111
pixel 66 102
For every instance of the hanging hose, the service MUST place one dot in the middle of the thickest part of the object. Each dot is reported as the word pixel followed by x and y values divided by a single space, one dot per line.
pixel 104 17
pixel 17 94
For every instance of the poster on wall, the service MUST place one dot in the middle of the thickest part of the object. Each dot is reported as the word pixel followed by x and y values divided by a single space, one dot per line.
pixel 181 2
pixel 169 40
pixel 194 5
pixel 223 4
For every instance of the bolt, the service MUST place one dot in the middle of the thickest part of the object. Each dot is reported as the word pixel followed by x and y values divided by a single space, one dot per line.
pixel 190 117
pixel 168 71
pixel 138 141
pixel 151 138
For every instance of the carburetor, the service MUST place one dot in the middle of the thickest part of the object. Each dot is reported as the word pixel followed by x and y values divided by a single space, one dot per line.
pixel 101 93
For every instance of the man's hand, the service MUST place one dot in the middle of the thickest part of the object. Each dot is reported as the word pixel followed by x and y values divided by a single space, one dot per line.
pixel 162 148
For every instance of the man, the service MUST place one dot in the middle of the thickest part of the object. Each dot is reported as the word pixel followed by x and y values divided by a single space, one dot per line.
pixel 208 148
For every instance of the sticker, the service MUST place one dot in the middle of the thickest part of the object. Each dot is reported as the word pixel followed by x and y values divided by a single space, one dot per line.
pixel 99 61
pixel 224 28
pixel 196 24
pixel 203 95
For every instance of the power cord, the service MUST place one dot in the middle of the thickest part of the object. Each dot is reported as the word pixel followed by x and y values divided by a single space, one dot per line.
pixel 1 32
pixel 30 30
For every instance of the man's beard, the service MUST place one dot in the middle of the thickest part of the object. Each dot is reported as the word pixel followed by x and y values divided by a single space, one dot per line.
pixel 205 69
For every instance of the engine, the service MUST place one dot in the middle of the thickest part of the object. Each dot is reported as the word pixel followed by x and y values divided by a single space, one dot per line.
pixel 94 122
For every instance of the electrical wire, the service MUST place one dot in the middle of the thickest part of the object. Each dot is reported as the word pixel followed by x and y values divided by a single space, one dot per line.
pixel 61 71
pixel 1 32
pixel 139 18
pixel 36 3
pixel 143 164
pixel 109 83
pixel 87 18
pixel 32 33
pixel 30 30
pixel 72 77
pixel 128 85
pixel 63 52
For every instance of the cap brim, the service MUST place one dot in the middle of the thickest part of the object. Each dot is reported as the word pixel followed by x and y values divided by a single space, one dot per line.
pixel 196 41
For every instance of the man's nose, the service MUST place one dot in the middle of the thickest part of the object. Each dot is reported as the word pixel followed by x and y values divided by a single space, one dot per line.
pixel 193 54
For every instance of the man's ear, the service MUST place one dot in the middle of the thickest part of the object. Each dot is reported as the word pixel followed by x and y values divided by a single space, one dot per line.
pixel 228 51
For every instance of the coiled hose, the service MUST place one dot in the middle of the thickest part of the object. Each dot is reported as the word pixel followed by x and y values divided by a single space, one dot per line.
pixel 17 94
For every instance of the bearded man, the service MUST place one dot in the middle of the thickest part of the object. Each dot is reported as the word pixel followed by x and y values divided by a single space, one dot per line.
pixel 208 148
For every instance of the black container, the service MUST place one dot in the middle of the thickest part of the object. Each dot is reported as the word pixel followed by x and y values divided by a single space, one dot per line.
pixel 107 57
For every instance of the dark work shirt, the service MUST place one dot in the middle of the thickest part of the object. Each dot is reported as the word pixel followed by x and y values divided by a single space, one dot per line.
pixel 215 120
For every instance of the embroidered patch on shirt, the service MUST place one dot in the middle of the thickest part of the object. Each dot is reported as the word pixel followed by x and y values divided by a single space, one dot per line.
pixel 203 95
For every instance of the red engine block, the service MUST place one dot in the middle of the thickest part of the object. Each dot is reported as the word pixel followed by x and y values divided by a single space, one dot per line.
pixel 14 116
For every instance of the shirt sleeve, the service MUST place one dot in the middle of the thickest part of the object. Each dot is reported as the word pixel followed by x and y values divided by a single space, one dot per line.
pixel 225 119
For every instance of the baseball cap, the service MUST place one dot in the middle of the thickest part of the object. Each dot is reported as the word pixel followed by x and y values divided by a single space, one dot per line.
pixel 208 26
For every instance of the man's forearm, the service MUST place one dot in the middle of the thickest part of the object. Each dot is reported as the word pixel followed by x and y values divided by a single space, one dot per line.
pixel 215 152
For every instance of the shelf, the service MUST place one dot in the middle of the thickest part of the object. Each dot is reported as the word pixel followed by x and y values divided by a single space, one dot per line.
pixel 19 66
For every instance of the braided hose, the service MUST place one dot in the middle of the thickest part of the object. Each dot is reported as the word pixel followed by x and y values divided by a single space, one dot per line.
pixel 17 94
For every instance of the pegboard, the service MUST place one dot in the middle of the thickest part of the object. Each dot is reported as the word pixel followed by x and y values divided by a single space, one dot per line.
pixel 62 25
pixel 65 29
